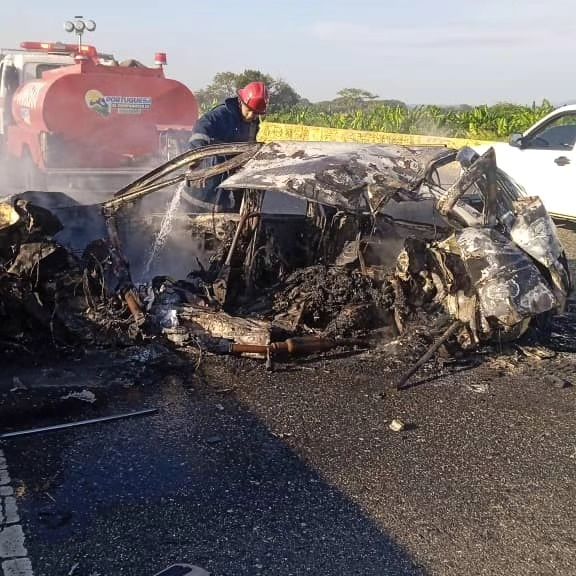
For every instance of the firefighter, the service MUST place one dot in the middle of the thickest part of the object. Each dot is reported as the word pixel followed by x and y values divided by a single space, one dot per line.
pixel 237 119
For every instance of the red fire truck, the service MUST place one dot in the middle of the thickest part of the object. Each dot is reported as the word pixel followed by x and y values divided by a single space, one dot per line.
pixel 70 114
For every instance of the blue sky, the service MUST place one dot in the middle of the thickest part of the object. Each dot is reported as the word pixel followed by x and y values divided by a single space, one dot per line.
pixel 418 51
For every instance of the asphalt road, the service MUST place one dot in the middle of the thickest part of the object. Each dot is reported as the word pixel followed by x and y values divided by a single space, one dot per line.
pixel 244 472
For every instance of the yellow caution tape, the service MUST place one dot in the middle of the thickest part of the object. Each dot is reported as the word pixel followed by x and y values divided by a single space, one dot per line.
pixel 270 132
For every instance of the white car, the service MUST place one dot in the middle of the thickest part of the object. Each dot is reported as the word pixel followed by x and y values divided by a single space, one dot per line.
pixel 543 161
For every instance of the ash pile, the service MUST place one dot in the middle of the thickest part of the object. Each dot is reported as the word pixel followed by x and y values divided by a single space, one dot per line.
pixel 343 272
pixel 51 298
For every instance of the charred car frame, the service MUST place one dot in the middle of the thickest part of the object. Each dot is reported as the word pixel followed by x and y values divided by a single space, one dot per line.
pixel 343 269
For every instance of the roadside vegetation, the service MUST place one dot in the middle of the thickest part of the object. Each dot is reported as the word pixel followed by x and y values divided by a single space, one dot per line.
pixel 481 122
pixel 356 109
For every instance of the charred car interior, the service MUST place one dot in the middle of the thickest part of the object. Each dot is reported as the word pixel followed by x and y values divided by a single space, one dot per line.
pixel 337 272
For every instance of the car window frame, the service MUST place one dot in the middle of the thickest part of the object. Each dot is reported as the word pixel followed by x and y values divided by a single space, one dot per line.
pixel 527 138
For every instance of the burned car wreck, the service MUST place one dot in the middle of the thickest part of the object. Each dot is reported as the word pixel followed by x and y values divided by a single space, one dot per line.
pixel 338 272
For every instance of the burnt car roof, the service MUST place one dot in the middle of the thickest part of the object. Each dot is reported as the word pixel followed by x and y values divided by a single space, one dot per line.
pixel 345 175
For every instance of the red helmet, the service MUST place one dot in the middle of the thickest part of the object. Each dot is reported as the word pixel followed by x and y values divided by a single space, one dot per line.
pixel 255 96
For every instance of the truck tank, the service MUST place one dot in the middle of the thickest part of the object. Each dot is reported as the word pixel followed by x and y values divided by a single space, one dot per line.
pixel 99 117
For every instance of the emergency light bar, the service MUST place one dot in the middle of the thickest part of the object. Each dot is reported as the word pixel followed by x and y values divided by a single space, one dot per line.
pixel 59 47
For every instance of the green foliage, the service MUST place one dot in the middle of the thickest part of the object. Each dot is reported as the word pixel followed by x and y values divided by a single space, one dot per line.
pixel 481 122
pixel 226 84
pixel 252 76
pixel 355 96
pixel 358 109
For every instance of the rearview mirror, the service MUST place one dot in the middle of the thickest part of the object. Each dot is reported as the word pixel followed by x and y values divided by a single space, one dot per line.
pixel 516 140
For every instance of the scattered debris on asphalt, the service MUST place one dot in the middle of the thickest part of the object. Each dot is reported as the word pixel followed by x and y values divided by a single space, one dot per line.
pixel 183 570
pixel 17 384
pixel 84 396
pixel 66 426
pixel 397 425
pixel 558 382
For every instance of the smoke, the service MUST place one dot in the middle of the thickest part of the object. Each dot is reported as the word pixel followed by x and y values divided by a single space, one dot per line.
pixel 156 236
pixel 77 202
pixel 13 176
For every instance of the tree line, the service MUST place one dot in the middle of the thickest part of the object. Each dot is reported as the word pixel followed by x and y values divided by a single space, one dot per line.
pixel 358 109
pixel 283 97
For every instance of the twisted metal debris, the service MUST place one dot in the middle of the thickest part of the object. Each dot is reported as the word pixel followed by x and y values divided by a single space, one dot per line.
pixel 493 270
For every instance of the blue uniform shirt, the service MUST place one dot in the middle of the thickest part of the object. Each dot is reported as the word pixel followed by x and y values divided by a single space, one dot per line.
pixel 223 124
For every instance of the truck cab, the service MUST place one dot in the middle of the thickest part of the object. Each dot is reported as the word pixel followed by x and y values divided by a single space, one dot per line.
pixel 18 67
pixel 543 161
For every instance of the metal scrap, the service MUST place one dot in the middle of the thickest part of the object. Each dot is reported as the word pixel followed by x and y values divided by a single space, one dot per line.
pixel 486 273
pixel 342 269
pixel 351 177
pixel 50 298
pixel 68 425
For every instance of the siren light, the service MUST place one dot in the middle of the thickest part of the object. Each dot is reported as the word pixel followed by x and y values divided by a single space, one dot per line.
pixel 160 59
